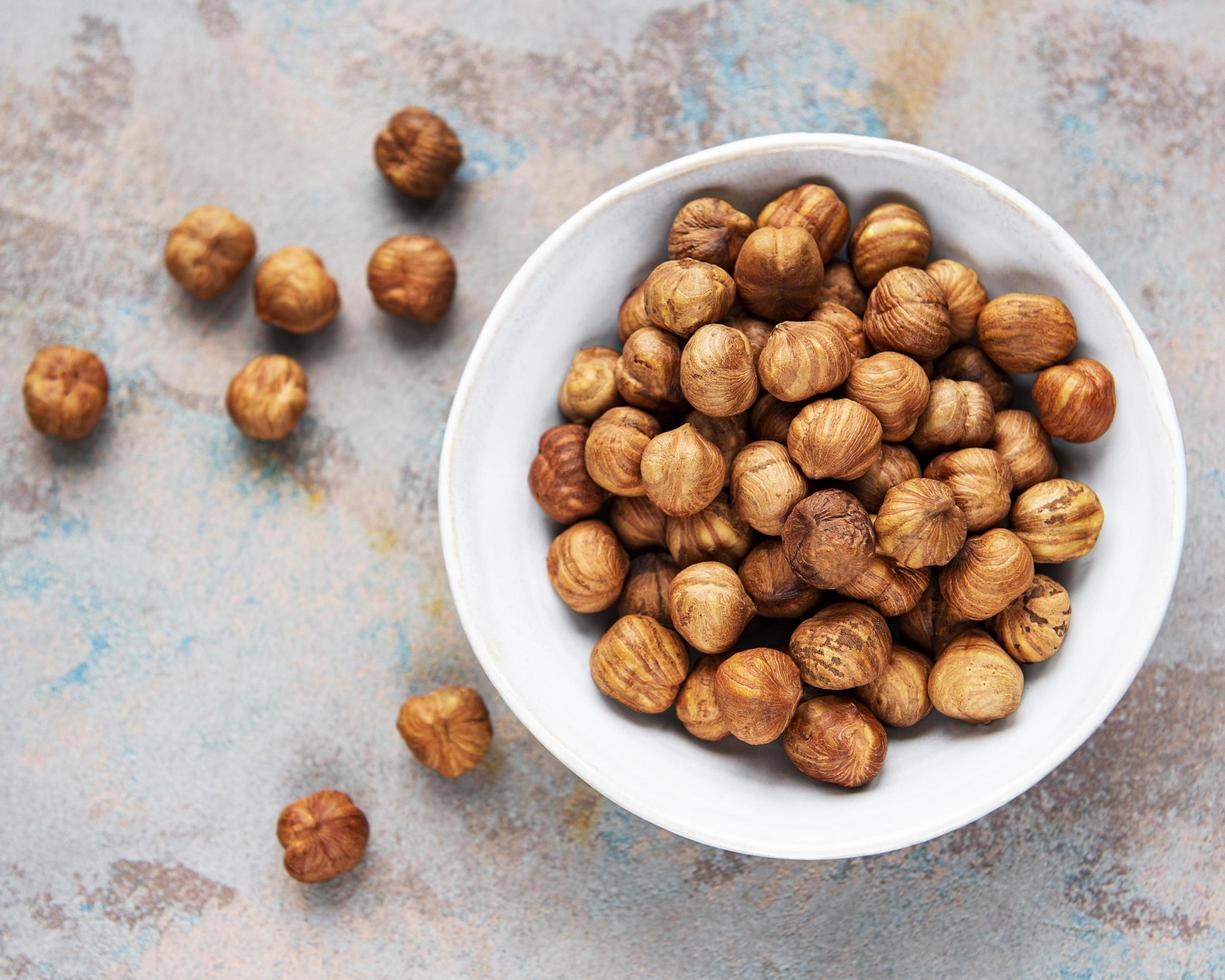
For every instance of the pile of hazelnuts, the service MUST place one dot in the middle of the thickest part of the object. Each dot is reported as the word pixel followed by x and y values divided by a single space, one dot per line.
pixel 788 436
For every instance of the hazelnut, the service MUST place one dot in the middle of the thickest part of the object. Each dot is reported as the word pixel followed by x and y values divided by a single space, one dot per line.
pixel 779 273
pixel 683 294
pixel 816 209
pixel 848 324
pixel 889 587
pixel 447 729
pixel 828 539
pixel 841 646
pixel 640 663
pixel 682 471
pixel 696 706
pixel 418 152
pixel 776 590
pixel 613 454
pixel 633 313
pixel 758 331
pixel 963 295
pixel 1058 520
pixel 888 237
pixel 803 358
pixel 958 413
pixel 323 835
pixel 897 464
pixel 65 390
pixel 898 694
pixel 971 364
pixel 1019 437
pixel 990 571
pixel 412 276
pixel 648 373
pixel 1023 332
pixel 208 250
pixel 267 397
pixel 717 373
pixel 833 739
pixel 590 387
pixel 1075 400
pixel 714 533
pixel 757 691
pixel 646 588
pixel 931 624
pixel 981 483
pixel 709 606
pixel 293 291
pixel 974 680
pixel 765 486
pixel 587 566
pixel 770 418
pixel 919 524
pixel 906 313
pixel 894 387
pixel 834 438
pixel 729 433
pixel 558 478
pixel 709 230
pixel 638 523
pixel 841 287
pixel 1032 627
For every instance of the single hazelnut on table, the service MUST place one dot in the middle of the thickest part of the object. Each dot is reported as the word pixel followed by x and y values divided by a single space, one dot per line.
pixel 828 539
pixel 709 606
pixel 447 729
pixel 615 444
pixel 418 152
pixel 646 587
pixel 931 625
pixel 816 209
pixel 718 375
pixel 888 237
pixel 714 533
pixel 906 313
pixel 893 387
pixel 640 663
pixel 779 273
pixel 729 433
pixel 558 477
pixel 323 835
pixel 847 323
pixel 803 358
pixel 1075 401
pixel 834 438
pixel 841 287
pixel 638 523
pixel 590 386
pixel 587 566
pixel 1032 627
pixel 65 390
pixel 709 230
pixel 971 364
pixel 681 295
pixel 412 276
pixel 1058 520
pixel 919 524
pixel 898 695
pixel 834 739
pixel 633 313
pixel 974 680
pixel 890 588
pixel 981 483
pixel 841 646
pixel 773 585
pixel 897 464
pixel 682 471
pixel 770 418
pixel 207 251
pixel 958 413
pixel 696 706
pixel 991 570
pixel 648 372
pixel 963 295
pixel 757 691
pixel 758 331
pixel 267 397
pixel 765 486
pixel 1023 332
pixel 1019 437
pixel 293 291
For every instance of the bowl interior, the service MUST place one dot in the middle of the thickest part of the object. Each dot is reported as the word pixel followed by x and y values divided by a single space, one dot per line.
pixel 937 776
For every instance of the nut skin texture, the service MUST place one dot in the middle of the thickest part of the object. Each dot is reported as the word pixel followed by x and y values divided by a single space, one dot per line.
pixel 770 418
pixel 587 566
pixel 412 276
pixel 971 364
pixel 895 389
pixel 1076 400
pixel 803 358
pixel 765 485
pixel 293 291
pixel 842 646
pixel 709 230
pixel 638 522
pixel 65 391
pixel 919 524
pixel 418 152
pixel 842 288
pixel 681 295
pixel 648 372
pixel 646 588
pixel 776 590
pixel 990 571
pixel 590 386
pixel 757 691
pixel 1032 627
pixel 897 464
pixel 447 729
pixel 1024 332
pixel 758 331
pixel 633 313
pixel 640 663
pixel 207 251
pixel 682 471
pixel 1058 520
pixel 718 375
pixel 323 835
pixel 890 588
pixel 613 454
pixel 696 706
pixel 816 209
pixel 834 739
pixel 828 539
pixel 888 237
pixel 558 478
pixel 834 438
pixel 981 483
pixel 906 313
pixel 779 273
pixel 958 413
pixel 898 695
pixel 963 294
pixel 849 325
pixel 714 533
pixel 267 397
pixel 729 433
pixel 931 624
pixel 974 680
pixel 1019 437
pixel 709 606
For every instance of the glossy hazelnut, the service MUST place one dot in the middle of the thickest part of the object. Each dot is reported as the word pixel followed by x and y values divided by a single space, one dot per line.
pixel 981 483
pixel 841 646
pixel 803 358
pixel 834 438
pixel 890 588
pixel 65 391
pixel 779 273
pixel 729 433
pixel 1019 437
pixel 590 386
pixel 1023 332
pixel 418 152
pixel 646 587
pixel 207 251
pixel 931 624
pixel 841 287
pixel 893 387
pixel 958 413
pixel 757 691
pixel 696 706
pixel 613 454
pixel 848 324
pixel 897 464
pixel 638 523
pixel 717 371
pixel 633 313
pixel 1058 520
pixel 898 694
pixel 906 313
pixel 683 294
pixel 640 663
pixel 770 418
pixel 323 835
pixel 267 397
pixel 709 606
pixel 558 477
pixel 758 331
pixel 765 485
pixel 971 364
pixel 587 566
pixel 963 295
pixel 714 533
pixel 447 729
pixel 834 739
pixel 919 524
pixel 412 276
pixel 1032 627
pixel 1076 400
pixel 293 291
pixel 974 680
pixel 888 237
pixel 648 373
pixel 682 471
pixel 773 585
pixel 828 539
pixel 816 209
pixel 709 230
pixel 990 571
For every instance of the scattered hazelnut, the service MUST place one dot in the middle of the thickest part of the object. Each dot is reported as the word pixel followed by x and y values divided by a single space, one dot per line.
pixel 714 533
pixel 65 390
pixel 834 438
pixel 418 152
pixel 990 571
pixel 207 251
pixel 897 464
pixel 323 835
pixel 963 295
pixel 648 373
pixel 729 433
pixel 894 387
pixel 890 588
pixel 696 706
pixel 267 397
pixel 682 471
pixel 1058 520
pixel 613 454
pixel 958 413
pixel 848 323
pixel 971 364
pixel 770 418
pixel 638 523
pixel 709 230
pixel 633 313
pixel 717 373
pixel 587 566
pixel 758 331
pixel 1020 439
pixel 803 358
pixel 906 313
pixel 919 524
pixel 1031 628
pixel 683 294
pixel 757 691
pixel 931 624
pixel 841 287
pixel 898 694
pixel 765 486
pixel 888 237
pixel 779 273
pixel 293 291
pixel 1075 400
pixel 646 587
pixel 709 606
pixel 841 646
pixel 776 590
pixel 558 478
pixel 412 276
pixel 640 663
pixel 981 483
pixel 828 539
pixel 974 680
pixel 447 729
pixel 816 209
pixel 833 739
pixel 1023 332
pixel 590 387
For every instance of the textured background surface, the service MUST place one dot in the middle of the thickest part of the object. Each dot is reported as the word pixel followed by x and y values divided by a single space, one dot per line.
pixel 196 630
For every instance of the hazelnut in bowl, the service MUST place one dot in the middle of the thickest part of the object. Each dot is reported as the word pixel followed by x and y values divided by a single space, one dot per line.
pixel 948 493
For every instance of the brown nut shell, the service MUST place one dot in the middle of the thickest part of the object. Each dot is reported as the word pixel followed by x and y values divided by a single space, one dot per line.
pixel 718 375
pixel 714 533
pixel 888 237
pixel 932 623
pixel 897 464
pixel 773 585
pixel 683 294
pixel 1032 627
pixel 412 276
pixel 418 152
pixel 640 663
pixel 834 438
pixel 758 331
pixel 779 273
pixel 1076 400
pixel 894 387
pixel 324 834
pixel 207 251
pixel 638 522
pixel 1023 332
pixel 963 295
pixel 267 397
pixel 841 287
pixel 293 291
pixel 728 433
pixel 981 483
pixel 828 539
pixel 1059 520
pixel 65 390
pixel 898 695
pixel 633 313
pixel 558 477
pixel 834 739
pixel 919 524
pixel 682 471
pixel 709 230
pixel 988 573
pixel 816 209
pixel 971 364
pixel 848 324
pixel 648 372
pixel 890 588
pixel 958 413
pixel 974 680
pixel 587 566
pixel 1019 437
pixel 757 691
pixel 615 444
pixel 696 706
pixel 590 386
pixel 708 606
pixel 447 729
pixel 765 485
pixel 803 358
pixel 906 313
pixel 770 418
pixel 646 587
pixel 841 646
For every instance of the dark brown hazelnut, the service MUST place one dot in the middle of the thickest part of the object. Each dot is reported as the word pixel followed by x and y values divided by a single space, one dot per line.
pixel 890 588
pixel 638 523
pixel 842 288
pixel 323 835
pixel 816 209
pixel 65 390
pixel 646 587
pixel 841 646
pixel 558 477
pixel 828 539
pixel 418 152
pixel 770 418
pixel 267 397
pixel 648 373
pixel 293 291
pixel 714 533
pixel 207 251
pixel 971 364
pixel 931 624
pixel 897 464
pixel 1076 400
pixel 412 276
pixel 773 585
pixel 709 230
pixel 906 313
pixel 834 739
pixel 779 273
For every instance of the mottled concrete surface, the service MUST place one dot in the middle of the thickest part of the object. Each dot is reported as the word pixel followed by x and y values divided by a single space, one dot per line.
pixel 197 630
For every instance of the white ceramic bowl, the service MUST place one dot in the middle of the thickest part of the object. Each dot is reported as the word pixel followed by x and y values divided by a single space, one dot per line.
pixel 939 775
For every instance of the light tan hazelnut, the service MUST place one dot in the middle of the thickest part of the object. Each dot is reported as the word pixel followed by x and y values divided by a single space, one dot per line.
pixel 971 364
pixel 963 295
pixel 412 276
pixel 1075 400
pixel 758 331
pixel 683 294
pixel 828 539
pixel 981 483
pixel 890 588
pixel 696 706
pixel 757 691
pixel 1019 437
pixel 841 646
pixel 590 386
pixel 729 433
pixel 770 418
pixel 931 624
pixel 418 152
pixel 587 566
pixel 717 373
pixel 816 209
pixel 991 570
pixel 638 523
pixel 633 313
pixel 646 587
pixel 709 230
pixel 293 291
pixel 919 524
pixel 65 391
pixel 773 585
pixel 898 694
pixel 1032 627
pixel 765 486
pixel 323 835
pixel 447 729
pixel 888 237
pixel 834 739
pixel 207 251
pixel 1058 520
pixel 648 372
pixel 714 533
pixel 906 313
pixel 709 606
pixel 779 273
pixel 267 397
pixel 558 477
pixel 682 471
pixel 841 287
pixel 803 358
pixel 893 387
pixel 1023 332
pixel 974 680
pixel 640 663
pixel 897 464
pixel 848 324
pixel 613 454
pixel 834 438
pixel 958 413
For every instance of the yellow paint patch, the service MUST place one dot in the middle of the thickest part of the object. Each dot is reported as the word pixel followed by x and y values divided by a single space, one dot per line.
pixel 315 501
pixel 383 540
pixel 580 813
pixel 437 609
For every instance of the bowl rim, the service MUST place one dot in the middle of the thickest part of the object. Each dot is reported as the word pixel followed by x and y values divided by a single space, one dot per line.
pixel 907 834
